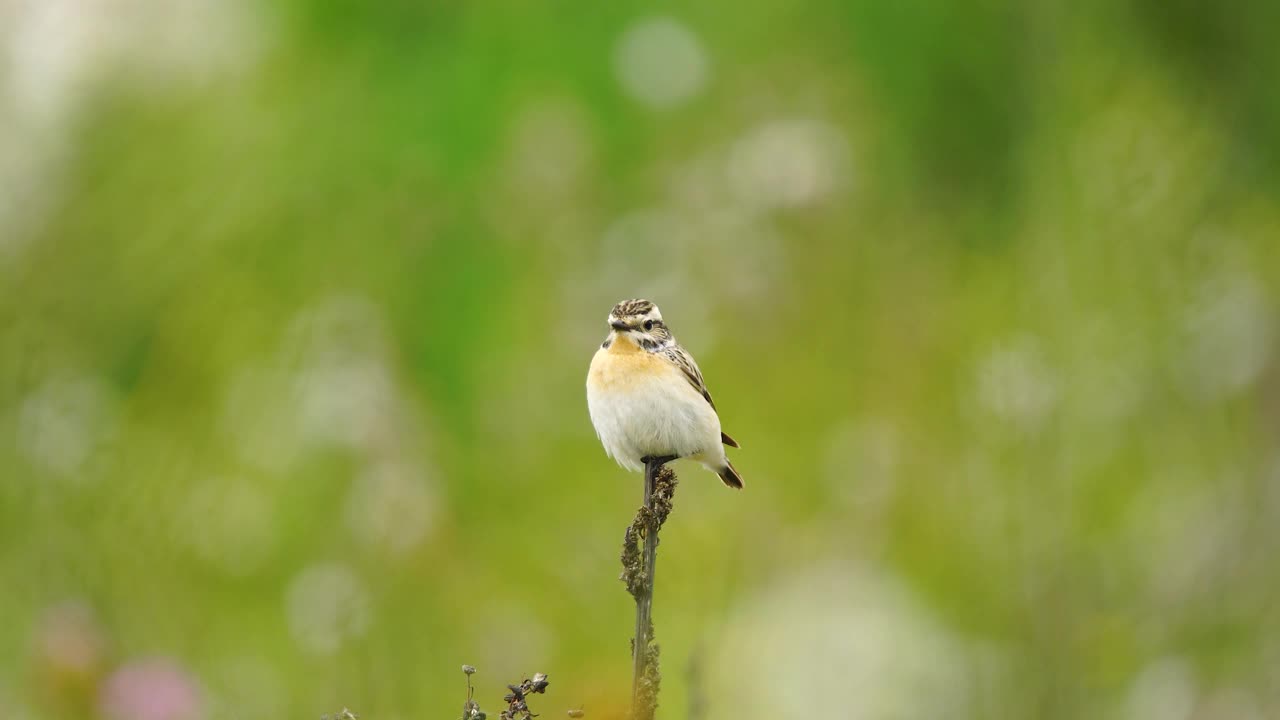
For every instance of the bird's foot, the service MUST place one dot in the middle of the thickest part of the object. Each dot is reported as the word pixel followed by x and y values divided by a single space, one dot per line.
pixel 658 460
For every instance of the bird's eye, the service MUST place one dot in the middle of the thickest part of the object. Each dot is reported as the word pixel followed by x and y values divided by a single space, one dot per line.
pixel 648 324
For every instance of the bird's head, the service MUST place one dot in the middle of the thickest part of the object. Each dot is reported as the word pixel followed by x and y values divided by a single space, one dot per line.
pixel 639 321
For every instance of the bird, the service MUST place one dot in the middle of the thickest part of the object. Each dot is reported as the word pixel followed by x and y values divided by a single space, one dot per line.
pixel 647 398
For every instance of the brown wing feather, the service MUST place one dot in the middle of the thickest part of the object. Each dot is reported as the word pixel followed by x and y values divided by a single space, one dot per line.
pixel 683 360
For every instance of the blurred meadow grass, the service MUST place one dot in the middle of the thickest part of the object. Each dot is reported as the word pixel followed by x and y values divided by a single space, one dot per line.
pixel 297 299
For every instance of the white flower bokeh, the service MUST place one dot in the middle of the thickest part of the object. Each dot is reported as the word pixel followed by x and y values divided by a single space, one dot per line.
pixel 390 507
pixel 344 388
pixel 661 63
pixel 62 422
pixel 787 163
pixel 56 52
pixel 1016 384
pixel 841 643
pixel 1231 329
pixel 1164 690
pixel 230 523
pixel 327 605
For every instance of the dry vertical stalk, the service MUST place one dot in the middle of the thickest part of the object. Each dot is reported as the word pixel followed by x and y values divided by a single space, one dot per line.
pixel 639 559
pixel 471 709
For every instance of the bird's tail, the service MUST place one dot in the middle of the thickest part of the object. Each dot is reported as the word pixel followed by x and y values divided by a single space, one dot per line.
pixel 729 476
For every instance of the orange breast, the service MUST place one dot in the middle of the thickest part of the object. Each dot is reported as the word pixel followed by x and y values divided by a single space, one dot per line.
pixel 623 365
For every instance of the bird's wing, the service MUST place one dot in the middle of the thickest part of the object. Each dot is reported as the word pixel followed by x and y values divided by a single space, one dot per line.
pixel 681 358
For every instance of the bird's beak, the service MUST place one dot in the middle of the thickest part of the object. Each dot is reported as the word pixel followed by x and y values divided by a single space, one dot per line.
pixel 618 325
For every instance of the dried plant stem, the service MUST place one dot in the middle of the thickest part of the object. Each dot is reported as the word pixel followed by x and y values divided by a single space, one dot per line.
pixel 639 561
pixel 644 600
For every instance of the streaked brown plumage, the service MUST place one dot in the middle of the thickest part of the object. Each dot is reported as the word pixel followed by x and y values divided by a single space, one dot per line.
pixel 647 396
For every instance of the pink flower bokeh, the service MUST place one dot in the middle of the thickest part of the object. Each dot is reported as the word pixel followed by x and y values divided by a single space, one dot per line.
pixel 151 689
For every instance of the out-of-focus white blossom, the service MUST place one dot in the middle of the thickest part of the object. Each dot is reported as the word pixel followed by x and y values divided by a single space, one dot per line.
pixel 230 523
pixel 1015 383
pixel 787 163
pixel 1232 328
pixel 1164 690
pixel 53 53
pixel 63 421
pixel 661 63
pixel 390 507
pixel 327 605
pixel 840 643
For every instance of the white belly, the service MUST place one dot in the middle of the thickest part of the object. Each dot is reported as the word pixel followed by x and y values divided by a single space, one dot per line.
pixel 644 413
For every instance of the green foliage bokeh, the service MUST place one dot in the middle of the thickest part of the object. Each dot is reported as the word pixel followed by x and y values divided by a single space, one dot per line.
pixel 296 352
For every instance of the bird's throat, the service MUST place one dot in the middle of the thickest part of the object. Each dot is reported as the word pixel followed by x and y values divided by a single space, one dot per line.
pixel 622 344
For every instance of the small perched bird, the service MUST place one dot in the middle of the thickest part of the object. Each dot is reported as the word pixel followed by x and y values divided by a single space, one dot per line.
pixel 647 398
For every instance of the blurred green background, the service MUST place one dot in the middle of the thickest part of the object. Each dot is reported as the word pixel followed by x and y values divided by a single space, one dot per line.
pixel 297 301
